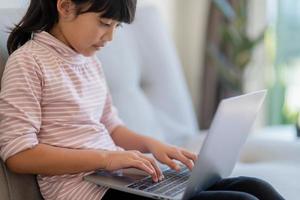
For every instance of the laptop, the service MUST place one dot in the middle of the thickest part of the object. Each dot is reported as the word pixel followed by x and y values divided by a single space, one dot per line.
pixel 217 157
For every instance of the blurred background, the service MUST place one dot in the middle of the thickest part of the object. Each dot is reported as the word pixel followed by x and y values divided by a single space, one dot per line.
pixel 230 47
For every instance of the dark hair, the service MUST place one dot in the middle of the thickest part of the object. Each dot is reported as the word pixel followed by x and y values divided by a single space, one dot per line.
pixel 42 15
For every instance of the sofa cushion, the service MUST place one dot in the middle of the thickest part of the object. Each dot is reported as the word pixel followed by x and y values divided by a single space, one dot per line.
pixel 17 186
pixel 3 182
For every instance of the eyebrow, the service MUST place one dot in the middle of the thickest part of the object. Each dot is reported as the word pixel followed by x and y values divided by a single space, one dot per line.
pixel 119 24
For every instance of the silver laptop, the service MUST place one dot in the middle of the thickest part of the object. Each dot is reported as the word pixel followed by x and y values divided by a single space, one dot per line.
pixel 217 157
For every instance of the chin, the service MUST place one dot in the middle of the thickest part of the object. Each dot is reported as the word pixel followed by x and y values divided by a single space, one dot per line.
pixel 88 54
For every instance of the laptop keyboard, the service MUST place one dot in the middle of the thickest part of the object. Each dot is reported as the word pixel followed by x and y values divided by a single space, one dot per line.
pixel 173 183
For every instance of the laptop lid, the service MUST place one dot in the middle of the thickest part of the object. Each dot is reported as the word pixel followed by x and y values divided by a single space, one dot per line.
pixel 227 134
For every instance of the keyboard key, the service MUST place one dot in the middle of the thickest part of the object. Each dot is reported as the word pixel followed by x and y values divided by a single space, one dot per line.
pixel 173 184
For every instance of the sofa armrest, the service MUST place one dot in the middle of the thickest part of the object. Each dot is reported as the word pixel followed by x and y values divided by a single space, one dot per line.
pixel 270 150
pixel 256 149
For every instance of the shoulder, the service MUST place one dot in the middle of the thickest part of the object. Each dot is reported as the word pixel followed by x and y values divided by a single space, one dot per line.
pixel 23 59
pixel 23 53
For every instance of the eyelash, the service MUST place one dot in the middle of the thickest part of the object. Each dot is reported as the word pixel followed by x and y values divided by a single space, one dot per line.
pixel 108 25
pixel 102 23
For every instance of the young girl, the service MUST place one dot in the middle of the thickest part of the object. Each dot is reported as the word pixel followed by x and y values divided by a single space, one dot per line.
pixel 57 116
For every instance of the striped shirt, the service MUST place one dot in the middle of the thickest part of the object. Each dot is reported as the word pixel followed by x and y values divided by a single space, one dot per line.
pixel 52 95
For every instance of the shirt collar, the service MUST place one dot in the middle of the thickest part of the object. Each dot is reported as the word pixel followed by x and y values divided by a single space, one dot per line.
pixel 59 48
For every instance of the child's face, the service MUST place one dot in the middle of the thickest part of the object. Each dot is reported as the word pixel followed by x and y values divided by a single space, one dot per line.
pixel 87 33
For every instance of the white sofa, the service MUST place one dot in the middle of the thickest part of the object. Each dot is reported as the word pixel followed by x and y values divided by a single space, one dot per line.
pixel 148 88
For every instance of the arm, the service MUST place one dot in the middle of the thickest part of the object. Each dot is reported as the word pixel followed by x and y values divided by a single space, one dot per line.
pixel 50 160
pixel 130 140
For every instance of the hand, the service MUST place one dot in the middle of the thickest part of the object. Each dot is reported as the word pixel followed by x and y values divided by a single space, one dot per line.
pixel 116 160
pixel 166 153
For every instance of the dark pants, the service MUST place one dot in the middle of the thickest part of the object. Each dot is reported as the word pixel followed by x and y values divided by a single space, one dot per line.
pixel 240 188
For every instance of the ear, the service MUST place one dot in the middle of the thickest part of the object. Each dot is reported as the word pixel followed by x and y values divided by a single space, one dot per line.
pixel 66 9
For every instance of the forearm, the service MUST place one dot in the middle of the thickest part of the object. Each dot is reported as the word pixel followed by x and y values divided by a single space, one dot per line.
pixel 50 160
pixel 130 140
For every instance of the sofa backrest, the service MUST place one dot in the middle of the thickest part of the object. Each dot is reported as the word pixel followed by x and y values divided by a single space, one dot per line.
pixel 146 79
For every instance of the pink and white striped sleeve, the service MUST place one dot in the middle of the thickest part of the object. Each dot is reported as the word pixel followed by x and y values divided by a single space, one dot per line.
pixel 110 117
pixel 20 110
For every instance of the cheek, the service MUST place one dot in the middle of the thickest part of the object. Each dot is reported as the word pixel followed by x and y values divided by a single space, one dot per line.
pixel 82 39
pixel 90 36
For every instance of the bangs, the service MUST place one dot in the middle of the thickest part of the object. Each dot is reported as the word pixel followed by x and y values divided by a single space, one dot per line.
pixel 119 10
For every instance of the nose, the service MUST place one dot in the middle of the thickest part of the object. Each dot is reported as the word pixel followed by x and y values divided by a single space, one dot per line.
pixel 109 35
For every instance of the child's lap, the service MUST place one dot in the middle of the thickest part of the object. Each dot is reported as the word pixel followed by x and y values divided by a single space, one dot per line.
pixel 240 188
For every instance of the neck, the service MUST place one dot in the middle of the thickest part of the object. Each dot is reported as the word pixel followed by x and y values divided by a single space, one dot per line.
pixel 58 34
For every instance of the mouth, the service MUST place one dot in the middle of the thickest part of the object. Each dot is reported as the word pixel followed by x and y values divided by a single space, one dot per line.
pixel 98 46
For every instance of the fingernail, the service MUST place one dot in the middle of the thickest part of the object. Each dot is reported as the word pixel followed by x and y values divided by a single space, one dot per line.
pixel 161 178
pixel 191 165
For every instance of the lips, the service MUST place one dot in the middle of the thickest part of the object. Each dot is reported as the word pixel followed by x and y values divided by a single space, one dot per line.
pixel 98 46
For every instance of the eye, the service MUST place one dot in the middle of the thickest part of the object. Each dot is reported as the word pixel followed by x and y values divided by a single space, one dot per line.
pixel 105 24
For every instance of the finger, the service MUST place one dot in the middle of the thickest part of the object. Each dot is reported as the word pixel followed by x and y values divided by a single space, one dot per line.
pixel 145 159
pixel 155 175
pixel 156 167
pixel 186 161
pixel 190 155
pixel 142 166
pixel 173 165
